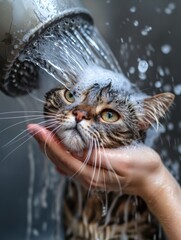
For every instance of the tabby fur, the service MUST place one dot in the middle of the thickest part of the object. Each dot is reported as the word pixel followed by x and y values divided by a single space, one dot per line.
pixel 102 109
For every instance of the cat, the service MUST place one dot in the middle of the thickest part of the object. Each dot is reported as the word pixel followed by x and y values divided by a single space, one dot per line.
pixel 99 108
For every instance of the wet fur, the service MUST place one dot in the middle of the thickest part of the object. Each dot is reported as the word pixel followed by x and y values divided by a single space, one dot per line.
pixel 84 211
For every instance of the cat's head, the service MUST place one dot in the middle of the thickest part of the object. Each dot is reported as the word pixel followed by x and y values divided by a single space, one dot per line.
pixel 102 109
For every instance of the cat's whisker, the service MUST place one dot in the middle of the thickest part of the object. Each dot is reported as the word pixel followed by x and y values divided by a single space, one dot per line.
pixel 110 168
pixel 94 166
pixel 17 117
pixel 79 171
pixel 12 141
pixel 18 123
pixel 99 160
pixel 17 112
pixel 51 134
pixel 10 153
pixel 36 98
pixel 105 207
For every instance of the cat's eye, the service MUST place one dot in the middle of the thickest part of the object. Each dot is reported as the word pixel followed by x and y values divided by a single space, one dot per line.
pixel 69 96
pixel 109 115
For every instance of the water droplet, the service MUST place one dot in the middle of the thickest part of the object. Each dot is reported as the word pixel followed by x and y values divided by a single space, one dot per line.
pixel 158 84
pixel 170 126
pixel 162 129
pixel 136 23
pixel 166 48
pixel 170 8
pixel 44 226
pixel 167 71
pixel 158 10
pixel 16 46
pixel 133 9
pixel 142 76
pixel 35 232
pixel 132 70
pixel 177 89
pixel 142 66
pixel 122 40
pixel 146 30
pixel 160 71
pixel 151 63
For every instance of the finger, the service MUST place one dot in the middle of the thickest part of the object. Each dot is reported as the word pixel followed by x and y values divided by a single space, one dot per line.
pixel 53 148
pixel 121 159
pixel 106 158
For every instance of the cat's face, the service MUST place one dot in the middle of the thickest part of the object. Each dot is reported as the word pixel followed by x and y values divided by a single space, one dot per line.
pixel 101 115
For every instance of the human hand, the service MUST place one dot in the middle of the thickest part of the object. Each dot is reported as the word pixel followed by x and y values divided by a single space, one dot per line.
pixel 135 170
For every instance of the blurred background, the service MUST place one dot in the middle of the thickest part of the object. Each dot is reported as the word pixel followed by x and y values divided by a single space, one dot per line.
pixel 145 37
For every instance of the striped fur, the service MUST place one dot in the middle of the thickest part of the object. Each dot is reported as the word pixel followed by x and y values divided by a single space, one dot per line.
pixel 90 215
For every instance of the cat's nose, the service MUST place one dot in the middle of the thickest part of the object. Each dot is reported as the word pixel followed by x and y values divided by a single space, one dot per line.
pixel 80 115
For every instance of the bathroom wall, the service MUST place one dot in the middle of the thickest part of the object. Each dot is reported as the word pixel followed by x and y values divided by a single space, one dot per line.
pixel 147 31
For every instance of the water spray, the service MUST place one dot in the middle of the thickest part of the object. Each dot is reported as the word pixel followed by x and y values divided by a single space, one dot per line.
pixel 24 26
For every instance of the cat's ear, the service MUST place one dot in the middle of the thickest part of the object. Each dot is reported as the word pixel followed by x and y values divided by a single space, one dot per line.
pixel 154 108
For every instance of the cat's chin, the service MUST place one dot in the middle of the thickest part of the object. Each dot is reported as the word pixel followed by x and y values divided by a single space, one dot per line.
pixel 72 140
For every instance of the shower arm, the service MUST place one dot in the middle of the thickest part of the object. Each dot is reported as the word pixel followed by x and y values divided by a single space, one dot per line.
pixel 21 21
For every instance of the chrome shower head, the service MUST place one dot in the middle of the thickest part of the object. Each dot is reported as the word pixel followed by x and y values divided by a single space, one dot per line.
pixel 21 23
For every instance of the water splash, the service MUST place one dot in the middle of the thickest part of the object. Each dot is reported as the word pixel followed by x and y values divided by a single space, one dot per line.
pixel 146 30
pixel 68 47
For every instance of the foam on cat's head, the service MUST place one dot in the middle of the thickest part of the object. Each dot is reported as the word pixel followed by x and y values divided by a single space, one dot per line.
pixel 95 74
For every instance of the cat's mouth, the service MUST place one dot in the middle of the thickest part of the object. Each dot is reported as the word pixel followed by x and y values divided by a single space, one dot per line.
pixel 73 139
pixel 75 131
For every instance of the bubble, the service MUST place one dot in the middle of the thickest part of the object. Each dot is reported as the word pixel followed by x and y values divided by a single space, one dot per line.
pixel 166 48
pixel 142 66
pixel 146 30
pixel 177 89
pixel 136 23
pixel 107 23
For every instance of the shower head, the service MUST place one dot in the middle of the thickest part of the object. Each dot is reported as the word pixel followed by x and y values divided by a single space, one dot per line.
pixel 21 23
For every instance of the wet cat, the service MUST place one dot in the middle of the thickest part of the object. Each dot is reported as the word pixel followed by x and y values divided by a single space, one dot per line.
pixel 102 109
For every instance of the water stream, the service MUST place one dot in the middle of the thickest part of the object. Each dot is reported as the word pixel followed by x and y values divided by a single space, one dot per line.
pixel 65 48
